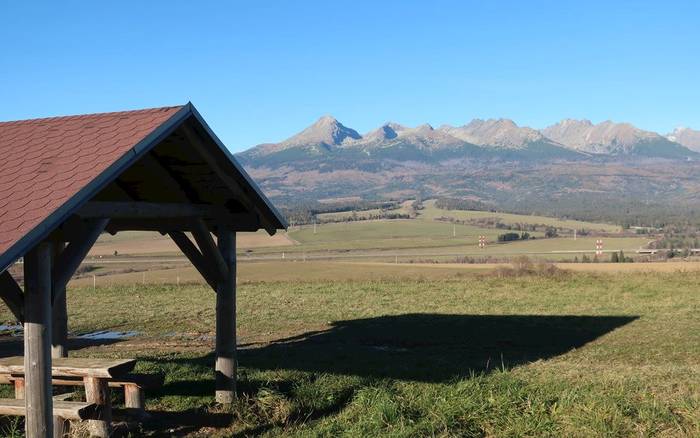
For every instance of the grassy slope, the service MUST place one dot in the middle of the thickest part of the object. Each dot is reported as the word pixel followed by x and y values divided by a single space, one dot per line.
pixel 566 355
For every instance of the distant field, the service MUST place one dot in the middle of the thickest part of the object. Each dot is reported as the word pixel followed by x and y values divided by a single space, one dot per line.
pixel 418 239
pixel 431 212
pixel 106 275
pixel 387 234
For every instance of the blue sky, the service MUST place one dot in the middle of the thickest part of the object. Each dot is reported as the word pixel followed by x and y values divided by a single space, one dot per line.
pixel 260 71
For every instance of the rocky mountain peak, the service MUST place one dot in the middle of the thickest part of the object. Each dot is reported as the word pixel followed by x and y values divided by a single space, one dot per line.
pixel 326 131
pixel 503 133
pixel 689 138
pixel 607 137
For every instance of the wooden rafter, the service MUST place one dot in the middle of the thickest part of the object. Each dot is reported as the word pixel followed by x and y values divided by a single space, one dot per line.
pixel 157 169
pixel 235 186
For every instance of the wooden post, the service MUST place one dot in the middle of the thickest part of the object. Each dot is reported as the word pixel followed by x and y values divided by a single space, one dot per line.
pixel 226 321
pixel 97 391
pixel 134 400
pixel 37 341
pixel 19 389
pixel 59 333
pixel 59 322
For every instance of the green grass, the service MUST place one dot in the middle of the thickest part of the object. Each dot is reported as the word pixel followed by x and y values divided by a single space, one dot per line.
pixel 471 355
pixel 387 234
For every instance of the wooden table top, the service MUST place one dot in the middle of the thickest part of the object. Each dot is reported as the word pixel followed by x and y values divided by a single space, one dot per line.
pixel 73 366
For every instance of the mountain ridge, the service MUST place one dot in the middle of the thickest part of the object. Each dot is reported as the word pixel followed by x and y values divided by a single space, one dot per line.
pixel 495 161
pixel 606 138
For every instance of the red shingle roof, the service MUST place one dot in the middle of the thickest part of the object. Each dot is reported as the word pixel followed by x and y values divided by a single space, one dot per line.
pixel 44 162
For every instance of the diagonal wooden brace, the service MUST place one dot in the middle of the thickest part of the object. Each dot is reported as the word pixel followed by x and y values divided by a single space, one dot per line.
pixel 70 258
pixel 190 250
pixel 209 250
pixel 12 295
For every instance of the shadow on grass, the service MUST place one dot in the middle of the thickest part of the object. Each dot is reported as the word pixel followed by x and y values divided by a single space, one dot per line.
pixel 419 347
pixel 431 347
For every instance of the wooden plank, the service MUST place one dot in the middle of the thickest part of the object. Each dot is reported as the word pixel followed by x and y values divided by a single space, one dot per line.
pixel 145 381
pixel 206 245
pixel 196 258
pixel 97 392
pixel 64 409
pixel 74 366
pixel 12 295
pixel 59 314
pixel 37 342
pixel 226 322
pixel 65 266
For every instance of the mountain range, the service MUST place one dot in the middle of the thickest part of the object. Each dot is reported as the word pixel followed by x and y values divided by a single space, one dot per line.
pixel 491 160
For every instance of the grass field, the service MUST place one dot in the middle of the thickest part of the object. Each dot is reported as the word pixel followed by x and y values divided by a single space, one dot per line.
pixel 420 238
pixel 449 353
pixel 431 211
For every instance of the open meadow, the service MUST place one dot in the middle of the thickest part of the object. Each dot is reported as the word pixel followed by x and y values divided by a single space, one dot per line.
pixel 403 327
pixel 343 349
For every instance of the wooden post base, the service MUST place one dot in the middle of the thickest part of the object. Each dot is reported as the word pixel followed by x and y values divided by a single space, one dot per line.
pixel 97 391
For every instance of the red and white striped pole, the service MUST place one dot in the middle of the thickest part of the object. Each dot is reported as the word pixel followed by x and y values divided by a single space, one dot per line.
pixel 482 242
pixel 599 247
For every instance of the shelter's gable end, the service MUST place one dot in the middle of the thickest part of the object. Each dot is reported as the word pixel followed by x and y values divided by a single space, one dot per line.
pixel 165 156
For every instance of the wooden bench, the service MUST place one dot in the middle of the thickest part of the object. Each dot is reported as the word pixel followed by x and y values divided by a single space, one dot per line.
pixel 95 375
pixel 66 410
pixel 134 386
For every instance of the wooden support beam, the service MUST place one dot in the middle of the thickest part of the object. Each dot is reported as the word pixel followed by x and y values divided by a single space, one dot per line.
pixel 71 257
pixel 196 258
pixel 246 223
pixel 59 313
pixel 12 295
pixel 37 341
pixel 208 248
pixel 165 213
pixel 226 322
pixel 149 210
pixel 59 334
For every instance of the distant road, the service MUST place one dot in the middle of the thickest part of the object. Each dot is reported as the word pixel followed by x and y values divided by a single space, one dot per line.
pixel 316 256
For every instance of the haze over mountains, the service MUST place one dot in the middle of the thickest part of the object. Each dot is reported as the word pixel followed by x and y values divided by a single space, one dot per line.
pixel 491 160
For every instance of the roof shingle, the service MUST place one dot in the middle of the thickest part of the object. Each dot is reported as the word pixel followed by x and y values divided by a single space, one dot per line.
pixel 44 162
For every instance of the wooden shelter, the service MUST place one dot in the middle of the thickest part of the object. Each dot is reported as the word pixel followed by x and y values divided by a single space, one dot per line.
pixel 66 180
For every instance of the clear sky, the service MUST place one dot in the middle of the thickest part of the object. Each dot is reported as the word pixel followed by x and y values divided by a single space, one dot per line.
pixel 261 70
